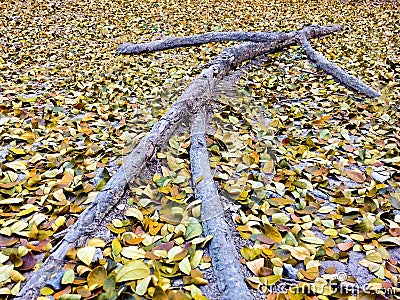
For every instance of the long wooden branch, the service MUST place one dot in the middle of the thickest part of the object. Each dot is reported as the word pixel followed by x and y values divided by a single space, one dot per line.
pixel 198 39
pixel 194 98
pixel 195 40
pixel 338 73
pixel 226 265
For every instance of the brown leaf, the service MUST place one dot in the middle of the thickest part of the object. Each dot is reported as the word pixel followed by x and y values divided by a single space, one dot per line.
pixel 159 294
pixel 255 265
pixel 7 241
pixel 58 295
pixel 345 246
pixel 394 231
pixel 28 262
pixel 356 175
pixel 264 271
pixel 38 248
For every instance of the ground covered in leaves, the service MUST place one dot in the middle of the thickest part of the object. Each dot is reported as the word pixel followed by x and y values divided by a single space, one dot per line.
pixel 309 172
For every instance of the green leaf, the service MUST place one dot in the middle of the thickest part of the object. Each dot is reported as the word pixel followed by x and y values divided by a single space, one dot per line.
pixel 280 218
pixel 193 229
pixel 68 277
pixel 250 253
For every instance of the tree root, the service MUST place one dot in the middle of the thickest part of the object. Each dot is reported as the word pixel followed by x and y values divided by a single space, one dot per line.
pixel 338 73
pixel 193 99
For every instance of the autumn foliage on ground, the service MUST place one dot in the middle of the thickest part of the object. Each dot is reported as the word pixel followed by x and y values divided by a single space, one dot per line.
pixel 309 171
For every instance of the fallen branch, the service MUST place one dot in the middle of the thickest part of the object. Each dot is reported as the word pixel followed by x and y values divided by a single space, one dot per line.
pixel 226 265
pixel 193 99
pixel 195 40
pixel 200 39
pixel 338 73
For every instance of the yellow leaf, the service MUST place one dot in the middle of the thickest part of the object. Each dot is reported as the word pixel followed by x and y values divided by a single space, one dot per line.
pixel 271 279
pixel 59 195
pixel 60 221
pixel 5 272
pixel 389 239
pixel 11 201
pixel 133 252
pixel 117 223
pixel 134 212
pixel 142 286
pixel 17 151
pixel 330 232
pixel 18 226
pixel 96 242
pixel 313 240
pixel 374 257
pixel 184 266
pixel 133 270
pixel 96 277
pixel 200 178
pixel 326 209
pixel 196 258
pixel 16 165
pixel 269 167
pixel 193 229
pixel 16 288
pixel 299 253
pixel 46 291
pixel 5 291
pixel 272 233
pixel 116 247
pixel 86 254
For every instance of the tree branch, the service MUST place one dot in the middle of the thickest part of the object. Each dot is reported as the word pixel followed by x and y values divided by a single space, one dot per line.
pixel 200 39
pixel 338 73
pixel 226 265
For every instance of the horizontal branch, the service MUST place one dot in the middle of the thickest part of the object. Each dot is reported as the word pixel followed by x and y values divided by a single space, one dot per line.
pixel 338 73
pixel 196 40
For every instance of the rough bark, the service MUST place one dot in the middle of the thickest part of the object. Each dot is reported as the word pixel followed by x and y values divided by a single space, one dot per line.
pixel 194 98
pixel 195 40
pixel 230 278
pixel 338 73
pixel 199 39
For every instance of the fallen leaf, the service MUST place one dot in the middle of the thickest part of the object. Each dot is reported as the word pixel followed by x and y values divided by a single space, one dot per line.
pixel 356 175
pixel 133 270
pixel 86 254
